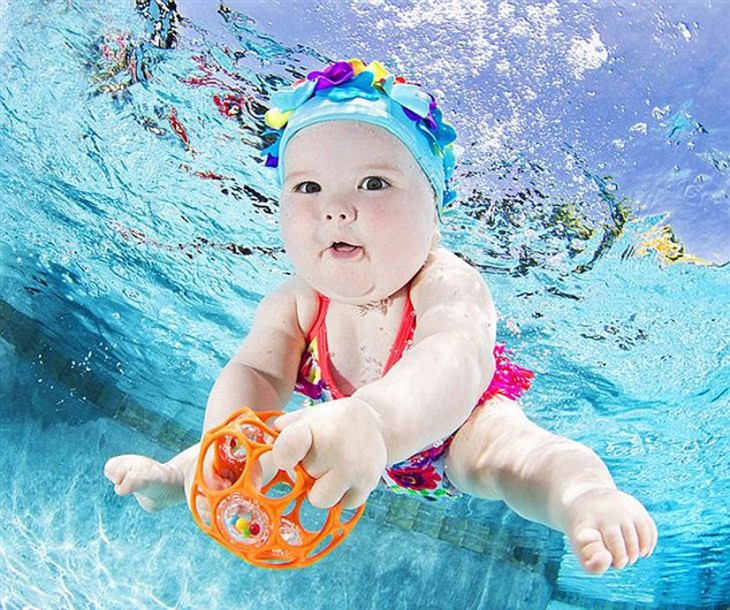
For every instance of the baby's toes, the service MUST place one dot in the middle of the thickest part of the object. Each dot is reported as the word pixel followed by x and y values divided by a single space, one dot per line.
pixel 591 551
pixel 613 538
pixel 647 533
pixel 631 542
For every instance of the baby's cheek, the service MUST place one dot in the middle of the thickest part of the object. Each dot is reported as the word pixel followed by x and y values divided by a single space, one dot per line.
pixel 390 218
pixel 293 228
pixel 286 216
pixel 415 235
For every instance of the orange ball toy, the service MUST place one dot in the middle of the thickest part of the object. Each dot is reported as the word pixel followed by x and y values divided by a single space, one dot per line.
pixel 261 524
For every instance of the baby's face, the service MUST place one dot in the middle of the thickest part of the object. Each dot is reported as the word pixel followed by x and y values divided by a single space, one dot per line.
pixel 357 212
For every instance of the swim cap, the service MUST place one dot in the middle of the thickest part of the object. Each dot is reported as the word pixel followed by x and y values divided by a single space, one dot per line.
pixel 349 90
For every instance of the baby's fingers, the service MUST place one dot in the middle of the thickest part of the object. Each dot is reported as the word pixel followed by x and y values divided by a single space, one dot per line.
pixel 327 490
pixel 133 481
pixel 214 479
pixel 114 469
pixel 125 477
pixel 290 418
pixel 355 497
pixel 203 507
pixel 292 445
pixel 613 538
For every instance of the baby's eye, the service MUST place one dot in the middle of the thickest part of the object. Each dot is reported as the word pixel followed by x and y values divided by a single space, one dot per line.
pixel 309 187
pixel 373 183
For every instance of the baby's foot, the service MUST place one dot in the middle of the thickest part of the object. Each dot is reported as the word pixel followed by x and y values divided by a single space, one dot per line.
pixel 608 528
pixel 154 485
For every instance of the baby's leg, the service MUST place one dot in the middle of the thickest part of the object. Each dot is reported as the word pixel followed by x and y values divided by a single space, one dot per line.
pixel 154 485
pixel 500 454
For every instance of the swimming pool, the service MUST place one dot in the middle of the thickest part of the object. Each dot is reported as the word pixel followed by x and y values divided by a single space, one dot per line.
pixel 138 233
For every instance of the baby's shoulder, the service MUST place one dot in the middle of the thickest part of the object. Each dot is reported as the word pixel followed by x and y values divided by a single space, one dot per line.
pixel 444 267
pixel 445 275
pixel 304 299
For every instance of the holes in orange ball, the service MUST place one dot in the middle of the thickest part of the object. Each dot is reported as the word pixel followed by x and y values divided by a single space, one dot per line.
pixel 232 449
pixel 321 547
pixel 312 519
pixel 278 490
pixel 349 514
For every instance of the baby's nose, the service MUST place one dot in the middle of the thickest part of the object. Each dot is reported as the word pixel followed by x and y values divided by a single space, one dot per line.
pixel 341 212
pixel 343 216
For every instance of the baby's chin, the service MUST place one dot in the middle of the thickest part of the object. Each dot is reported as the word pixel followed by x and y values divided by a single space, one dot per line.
pixel 357 293
pixel 347 296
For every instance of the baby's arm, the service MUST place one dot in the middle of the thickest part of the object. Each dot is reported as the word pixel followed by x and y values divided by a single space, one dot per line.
pixel 261 376
pixel 263 372
pixel 433 388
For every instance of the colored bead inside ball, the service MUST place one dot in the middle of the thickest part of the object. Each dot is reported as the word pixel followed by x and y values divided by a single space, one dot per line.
pixel 243 521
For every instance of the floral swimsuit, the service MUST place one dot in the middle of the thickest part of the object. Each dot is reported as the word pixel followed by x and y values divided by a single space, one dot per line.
pixel 422 474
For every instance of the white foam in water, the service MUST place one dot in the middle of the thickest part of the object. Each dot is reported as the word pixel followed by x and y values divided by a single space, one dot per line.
pixel 587 54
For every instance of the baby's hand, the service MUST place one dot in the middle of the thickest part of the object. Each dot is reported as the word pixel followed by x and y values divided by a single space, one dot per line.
pixel 607 527
pixel 340 444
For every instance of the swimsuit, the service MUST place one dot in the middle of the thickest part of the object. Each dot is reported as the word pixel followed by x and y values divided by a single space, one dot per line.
pixel 422 474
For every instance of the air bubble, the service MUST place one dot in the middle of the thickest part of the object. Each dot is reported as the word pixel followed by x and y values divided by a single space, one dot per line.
pixel 684 31
pixel 660 113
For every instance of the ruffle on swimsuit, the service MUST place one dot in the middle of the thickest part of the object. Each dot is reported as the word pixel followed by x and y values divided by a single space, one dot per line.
pixel 422 474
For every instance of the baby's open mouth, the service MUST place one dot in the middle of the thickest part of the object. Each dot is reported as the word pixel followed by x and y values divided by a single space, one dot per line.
pixel 343 251
pixel 341 246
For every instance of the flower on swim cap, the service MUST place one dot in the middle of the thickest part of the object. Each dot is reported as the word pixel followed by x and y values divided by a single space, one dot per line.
pixel 350 90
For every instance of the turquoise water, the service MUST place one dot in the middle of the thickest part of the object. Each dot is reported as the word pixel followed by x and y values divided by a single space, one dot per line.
pixel 594 202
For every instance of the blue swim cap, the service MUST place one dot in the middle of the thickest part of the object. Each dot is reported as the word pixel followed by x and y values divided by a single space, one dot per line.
pixel 351 91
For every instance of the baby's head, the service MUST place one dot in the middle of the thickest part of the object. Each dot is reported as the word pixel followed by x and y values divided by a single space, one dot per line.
pixel 364 159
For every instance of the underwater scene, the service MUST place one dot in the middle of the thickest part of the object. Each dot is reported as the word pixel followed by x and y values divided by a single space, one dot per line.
pixel 139 231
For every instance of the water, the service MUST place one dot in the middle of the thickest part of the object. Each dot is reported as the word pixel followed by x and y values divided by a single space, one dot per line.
pixel 138 233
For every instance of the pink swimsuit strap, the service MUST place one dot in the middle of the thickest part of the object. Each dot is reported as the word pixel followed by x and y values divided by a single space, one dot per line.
pixel 319 331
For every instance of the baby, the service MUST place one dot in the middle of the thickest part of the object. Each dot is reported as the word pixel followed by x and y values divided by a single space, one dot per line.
pixel 391 334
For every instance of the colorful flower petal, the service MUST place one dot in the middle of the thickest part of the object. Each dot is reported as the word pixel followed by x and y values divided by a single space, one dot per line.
pixel 292 98
pixel 357 66
pixel 336 74
pixel 410 97
pixel 276 119
pixel 379 71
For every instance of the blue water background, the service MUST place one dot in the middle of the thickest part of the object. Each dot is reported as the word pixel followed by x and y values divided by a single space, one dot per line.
pixel 589 130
